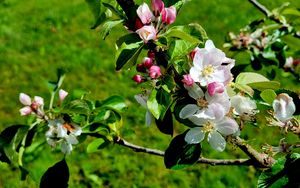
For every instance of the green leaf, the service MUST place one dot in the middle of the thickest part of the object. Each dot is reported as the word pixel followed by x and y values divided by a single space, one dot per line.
pixel 114 102
pixel 78 106
pixel 245 88
pixel 107 26
pixel 56 176
pixel 165 125
pixel 115 10
pixel 180 48
pixel 101 19
pixel 175 32
pixel 159 102
pixel 97 144
pixel 284 173
pixel 250 77
pixel 268 96
pixel 128 39
pixel 128 54
pixel 95 7
pixel 265 85
pixel 192 32
pixel 180 154
pixel 291 11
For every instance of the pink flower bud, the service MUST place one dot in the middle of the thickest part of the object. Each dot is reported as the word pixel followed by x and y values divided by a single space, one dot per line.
pixel 138 78
pixel 148 32
pixel 151 54
pixel 25 99
pixel 25 111
pixel 144 13
pixel 154 72
pixel 215 87
pixel 157 6
pixel 192 54
pixel 187 80
pixel 169 15
pixel 38 100
pixel 147 62
pixel 62 94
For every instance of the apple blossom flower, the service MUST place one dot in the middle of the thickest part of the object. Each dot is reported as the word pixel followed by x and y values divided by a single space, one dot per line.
pixel 206 107
pixel 144 13
pixel 31 107
pixel 211 65
pixel 147 32
pixel 147 62
pixel 62 94
pixel 142 100
pixel 154 72
pixel 168 15
pixel 138 78
pixel 288 63
pixel 215 87
pixel 187 80
pixel 243 105
pixel 284 107
pixel 157 6
pixel 62 132
pixel 215 130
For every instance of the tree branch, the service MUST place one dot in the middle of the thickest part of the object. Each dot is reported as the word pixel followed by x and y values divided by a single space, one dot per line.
pixel 136 148
pixel 260 159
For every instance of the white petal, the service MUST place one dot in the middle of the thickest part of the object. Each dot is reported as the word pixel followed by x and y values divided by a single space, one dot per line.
pixel 284 107
pixel 227 126
pixel 195 74
pixel 141 100
pixel 209 45
pixel 77 130
pixel 216 141
pixel 62 94
pixel 195 91
pixel 66 147
pixel 243 105
pixel 215 111
pixel 71 139
pixel 198 119
pixel 25 99
pixel 148 118
pixel 61 132
pixel 39 100
pixel 188 111
pixel 25 111
pixel 194 135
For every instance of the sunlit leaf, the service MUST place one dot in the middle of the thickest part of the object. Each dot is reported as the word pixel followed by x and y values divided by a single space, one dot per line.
pixel 97 144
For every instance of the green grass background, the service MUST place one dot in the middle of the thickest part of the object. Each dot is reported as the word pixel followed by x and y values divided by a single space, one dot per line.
pixel 39 36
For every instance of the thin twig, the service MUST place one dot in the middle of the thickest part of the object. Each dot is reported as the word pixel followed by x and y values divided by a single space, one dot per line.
pixel 136 148
pixel 261 7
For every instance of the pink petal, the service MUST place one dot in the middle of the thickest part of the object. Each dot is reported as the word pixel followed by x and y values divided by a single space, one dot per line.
pixel 25 99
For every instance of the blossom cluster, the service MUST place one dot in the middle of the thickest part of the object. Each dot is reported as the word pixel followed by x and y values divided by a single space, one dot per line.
pixel 148 69
pixel 149 23
pixel 60 131
pixel 206 84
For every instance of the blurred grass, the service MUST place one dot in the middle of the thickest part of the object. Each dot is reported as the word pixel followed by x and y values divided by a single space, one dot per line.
pixel 39 36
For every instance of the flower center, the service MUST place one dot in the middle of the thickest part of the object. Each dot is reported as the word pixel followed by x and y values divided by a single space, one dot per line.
pixel 208 127
pixel 202 103
pixel 70 128
pixel 208 70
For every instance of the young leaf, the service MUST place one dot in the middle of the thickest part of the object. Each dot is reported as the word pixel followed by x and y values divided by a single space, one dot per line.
pixel 128 54
pixel 250 77
pixel 265 85
pixel 107 26
pixel 114 102
pixel 97 144
pixel 159 102
pixel 180 48
pixel 56 176
pixel 268 96
pixel 115 11
pixel 180 154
